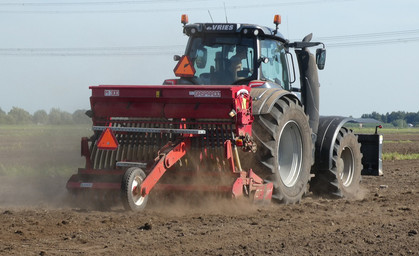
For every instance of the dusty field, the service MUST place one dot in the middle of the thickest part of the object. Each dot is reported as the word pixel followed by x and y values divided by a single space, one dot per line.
pixel 35 220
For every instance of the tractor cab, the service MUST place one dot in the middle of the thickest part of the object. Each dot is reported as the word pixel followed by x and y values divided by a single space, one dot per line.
pixel 233 54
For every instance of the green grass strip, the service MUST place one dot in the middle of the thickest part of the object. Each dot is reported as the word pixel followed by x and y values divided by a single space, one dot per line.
pixel 29 171
pixel 397 141
pixel 369 130
pixel 398 156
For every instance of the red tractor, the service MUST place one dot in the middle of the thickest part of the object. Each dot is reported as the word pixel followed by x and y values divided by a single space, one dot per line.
pixel 232 123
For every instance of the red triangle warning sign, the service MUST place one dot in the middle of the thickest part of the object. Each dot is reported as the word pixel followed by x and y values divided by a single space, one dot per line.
pixel 184 67
pixel 107 141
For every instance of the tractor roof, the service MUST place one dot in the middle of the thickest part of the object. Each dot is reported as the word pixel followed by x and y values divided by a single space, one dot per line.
pixel 232 28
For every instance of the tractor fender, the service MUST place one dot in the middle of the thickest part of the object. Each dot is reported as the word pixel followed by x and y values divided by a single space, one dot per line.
pixel 329 127
pixel 264 99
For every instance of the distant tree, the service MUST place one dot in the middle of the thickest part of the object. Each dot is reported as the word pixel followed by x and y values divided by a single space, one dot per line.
pixel 384 118
pixel 3 116
pixel 54 116
pixel 57 117
pixel 20 116
pixel 66 118
pixel 80 117
pixel 40 117
pixel 376 116
pixel 400 123
pixel 393 116
pixel 412 118
pixel 396 118
pixel 373 115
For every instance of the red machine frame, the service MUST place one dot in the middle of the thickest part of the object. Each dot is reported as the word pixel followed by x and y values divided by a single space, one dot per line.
pixel 227 103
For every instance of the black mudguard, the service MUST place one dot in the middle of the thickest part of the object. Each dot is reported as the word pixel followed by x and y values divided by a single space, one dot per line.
pixel 329 127
pixel 264 99
pixel 310 86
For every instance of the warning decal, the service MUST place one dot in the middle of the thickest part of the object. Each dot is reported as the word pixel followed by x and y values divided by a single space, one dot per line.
pixel 184 67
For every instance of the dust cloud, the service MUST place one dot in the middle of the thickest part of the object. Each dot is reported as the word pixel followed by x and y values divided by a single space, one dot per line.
pixel 36 162
pixel 196 203
pixel 42 192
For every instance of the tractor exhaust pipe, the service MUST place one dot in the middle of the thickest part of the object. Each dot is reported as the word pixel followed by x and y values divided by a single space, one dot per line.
pixel 310 85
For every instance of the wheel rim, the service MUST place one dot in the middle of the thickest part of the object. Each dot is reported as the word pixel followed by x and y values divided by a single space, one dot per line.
pixel 136 194
pixel 290 150
pixel 347 173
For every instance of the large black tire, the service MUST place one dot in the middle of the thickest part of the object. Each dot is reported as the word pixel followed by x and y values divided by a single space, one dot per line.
pixel 285 149
pixel 131 197
pixel 343 180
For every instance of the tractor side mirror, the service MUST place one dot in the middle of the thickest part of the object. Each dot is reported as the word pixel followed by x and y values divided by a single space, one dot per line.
pixel 201 58
pixel 263 59
pixel 321 58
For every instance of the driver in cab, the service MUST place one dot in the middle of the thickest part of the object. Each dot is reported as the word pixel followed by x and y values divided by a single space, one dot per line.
pixel 236 61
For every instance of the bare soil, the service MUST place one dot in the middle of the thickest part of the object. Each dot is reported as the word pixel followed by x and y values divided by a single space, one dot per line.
pixel 35 219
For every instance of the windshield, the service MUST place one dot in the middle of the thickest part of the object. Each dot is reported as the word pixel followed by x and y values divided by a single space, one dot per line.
pixel 222 60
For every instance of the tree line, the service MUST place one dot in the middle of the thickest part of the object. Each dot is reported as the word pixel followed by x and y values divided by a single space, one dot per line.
pixel 55 117
pixel 400 119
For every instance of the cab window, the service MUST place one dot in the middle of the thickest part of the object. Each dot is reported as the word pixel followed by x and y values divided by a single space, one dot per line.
pixel 222 60
pixel 276 68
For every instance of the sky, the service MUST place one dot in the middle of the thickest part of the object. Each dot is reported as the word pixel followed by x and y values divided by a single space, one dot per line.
pixel 51 51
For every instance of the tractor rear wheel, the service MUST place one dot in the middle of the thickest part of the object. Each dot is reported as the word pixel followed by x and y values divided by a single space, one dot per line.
pixel 285 149
pixel 344 178
pixel 131 195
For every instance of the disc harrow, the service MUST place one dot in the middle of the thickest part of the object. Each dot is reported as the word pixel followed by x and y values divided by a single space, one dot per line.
pixel 198 154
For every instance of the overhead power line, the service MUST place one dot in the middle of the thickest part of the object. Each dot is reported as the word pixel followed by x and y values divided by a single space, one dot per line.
pixel 22 8
pixel 389 34
pixel 85 3
pixel 94 51
pixel 374 42
pixel 370 35
pixel 86 49
pixel 367 39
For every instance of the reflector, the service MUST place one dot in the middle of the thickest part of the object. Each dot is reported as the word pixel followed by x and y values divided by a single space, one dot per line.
pixel 184 67
pixel 107 141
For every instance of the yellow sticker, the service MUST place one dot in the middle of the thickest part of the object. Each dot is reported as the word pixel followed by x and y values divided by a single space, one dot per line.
pixel 243 103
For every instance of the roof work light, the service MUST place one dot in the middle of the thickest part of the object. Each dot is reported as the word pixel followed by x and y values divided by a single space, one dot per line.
pixel 277 21
pixel 184 19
